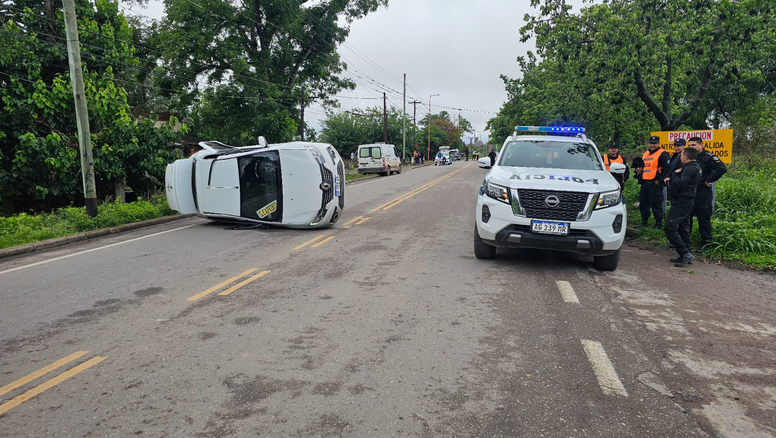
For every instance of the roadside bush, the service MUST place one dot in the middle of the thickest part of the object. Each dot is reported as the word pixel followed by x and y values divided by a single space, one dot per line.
pixel 24 228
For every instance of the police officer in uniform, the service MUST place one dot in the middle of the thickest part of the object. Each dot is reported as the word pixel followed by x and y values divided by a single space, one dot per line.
pixel 676 161
pixel 681 189
pixel 713 169
pixel 652 175
pixel 614 157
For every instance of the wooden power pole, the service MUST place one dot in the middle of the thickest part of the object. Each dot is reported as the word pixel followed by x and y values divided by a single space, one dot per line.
pixel 81 113
pixel 385 119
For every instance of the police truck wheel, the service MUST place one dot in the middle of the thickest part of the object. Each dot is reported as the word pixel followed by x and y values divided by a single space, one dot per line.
pixel 387 171
pixel 399 171
pixel 607 262
pixel 481 249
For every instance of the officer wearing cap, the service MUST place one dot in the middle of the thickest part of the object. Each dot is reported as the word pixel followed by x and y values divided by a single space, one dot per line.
pixel 652 196
pixel 676 161
pixel 614 157
pixel 683 186
pixel 713 169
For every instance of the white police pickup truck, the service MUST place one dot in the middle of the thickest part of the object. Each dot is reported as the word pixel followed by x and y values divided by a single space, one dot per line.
pixel 551 192
pixel 295 185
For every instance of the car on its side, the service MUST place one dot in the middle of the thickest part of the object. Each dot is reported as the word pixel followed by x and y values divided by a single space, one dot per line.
pixel 295 185
pixel 380 158
pixel 551 192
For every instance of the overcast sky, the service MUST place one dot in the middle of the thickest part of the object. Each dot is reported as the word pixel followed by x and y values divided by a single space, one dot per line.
pixel 454 48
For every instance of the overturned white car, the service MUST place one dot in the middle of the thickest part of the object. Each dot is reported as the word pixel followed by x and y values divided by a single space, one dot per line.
pixel 296 185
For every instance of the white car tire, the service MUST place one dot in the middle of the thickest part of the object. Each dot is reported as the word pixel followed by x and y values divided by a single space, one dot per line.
pixel 607 262
pixel 481 249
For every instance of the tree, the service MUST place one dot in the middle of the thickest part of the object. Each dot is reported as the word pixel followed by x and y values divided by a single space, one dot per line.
pixel 347 130
pixel 246 65
pixel 687 62
pixel 39 161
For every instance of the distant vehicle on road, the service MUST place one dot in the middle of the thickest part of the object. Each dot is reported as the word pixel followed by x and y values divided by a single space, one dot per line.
pixel 378 158
pixel 295 185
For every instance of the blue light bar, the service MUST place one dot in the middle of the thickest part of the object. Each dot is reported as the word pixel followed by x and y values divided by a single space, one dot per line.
pixel 561 129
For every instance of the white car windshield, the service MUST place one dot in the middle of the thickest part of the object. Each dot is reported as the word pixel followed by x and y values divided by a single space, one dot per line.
pixel 550 155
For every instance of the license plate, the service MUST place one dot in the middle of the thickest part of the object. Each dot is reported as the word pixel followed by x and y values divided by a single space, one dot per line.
pixel 549 227
pixel 336 185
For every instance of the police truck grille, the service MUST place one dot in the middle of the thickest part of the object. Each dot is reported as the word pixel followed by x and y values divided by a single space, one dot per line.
pixel 327 177
pixel 341 174
pixel 570 204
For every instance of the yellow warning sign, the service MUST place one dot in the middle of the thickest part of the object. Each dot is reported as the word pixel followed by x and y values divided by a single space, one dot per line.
pixel 717 141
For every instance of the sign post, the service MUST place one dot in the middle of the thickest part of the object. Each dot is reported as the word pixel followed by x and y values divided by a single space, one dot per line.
pixel 717 141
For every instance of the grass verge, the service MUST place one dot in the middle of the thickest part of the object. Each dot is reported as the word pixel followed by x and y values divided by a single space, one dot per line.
pixel 23 228
pixel 744 220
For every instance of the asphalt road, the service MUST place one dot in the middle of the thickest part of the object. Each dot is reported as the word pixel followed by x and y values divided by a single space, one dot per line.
pixel 384 325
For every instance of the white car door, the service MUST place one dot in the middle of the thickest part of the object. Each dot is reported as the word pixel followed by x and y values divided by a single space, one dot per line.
pixel 218 186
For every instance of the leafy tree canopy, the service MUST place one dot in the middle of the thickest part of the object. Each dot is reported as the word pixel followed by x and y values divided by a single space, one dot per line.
pixel 245 66
pixel 624 67
pixel 39 160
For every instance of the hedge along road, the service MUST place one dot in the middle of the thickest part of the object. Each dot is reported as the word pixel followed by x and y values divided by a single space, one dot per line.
pixel 385 325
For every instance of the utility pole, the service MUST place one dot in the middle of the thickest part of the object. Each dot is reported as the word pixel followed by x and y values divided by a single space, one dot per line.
pixel 428 150
pixel 385 119
pixel 414 110
pixel 81 112
pixel 301 125
pixel 404 122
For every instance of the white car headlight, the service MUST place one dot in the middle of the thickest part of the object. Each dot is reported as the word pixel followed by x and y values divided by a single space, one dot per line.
pixel 497 192
pixel 608 199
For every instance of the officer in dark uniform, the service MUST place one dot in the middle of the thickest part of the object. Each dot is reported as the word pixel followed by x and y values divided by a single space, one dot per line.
pixel 681 189
pixel 652 174
pixel 676 161
pixel 713 169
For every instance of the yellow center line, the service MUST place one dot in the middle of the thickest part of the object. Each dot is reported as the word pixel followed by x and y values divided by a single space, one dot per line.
pixel 362 221
pixel 243 283
pixel 310 241
pixel 322 242
pixel 220 285
pixel 16 401
pixel 401 199
pixel 416 191
pixel 351 221
pixel 43 371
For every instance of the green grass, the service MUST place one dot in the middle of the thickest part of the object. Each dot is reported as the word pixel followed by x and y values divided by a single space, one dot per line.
pixel 744 220
pixel 25 228
pixel 354 176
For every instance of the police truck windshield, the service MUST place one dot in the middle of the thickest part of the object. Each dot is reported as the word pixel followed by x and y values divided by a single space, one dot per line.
pixel 550 155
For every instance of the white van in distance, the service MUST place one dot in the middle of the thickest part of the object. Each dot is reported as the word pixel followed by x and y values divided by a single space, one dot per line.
pixel 296 185
pixel 378 158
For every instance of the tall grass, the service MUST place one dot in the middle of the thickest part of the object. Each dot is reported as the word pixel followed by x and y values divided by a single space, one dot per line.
pixel 25 228
pixel 744 220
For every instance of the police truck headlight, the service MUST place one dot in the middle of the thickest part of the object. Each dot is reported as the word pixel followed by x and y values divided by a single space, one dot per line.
pixel 498 193
pixel 608 199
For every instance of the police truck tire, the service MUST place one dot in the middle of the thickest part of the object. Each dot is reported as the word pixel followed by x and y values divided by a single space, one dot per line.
pixel 607 262
pixel 481 249
pixel 387 171
pixel 398 172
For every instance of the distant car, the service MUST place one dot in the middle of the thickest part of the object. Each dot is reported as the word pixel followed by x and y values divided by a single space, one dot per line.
pixel 295 185
pixel 378 158
pixel 445 159
pixel 455 154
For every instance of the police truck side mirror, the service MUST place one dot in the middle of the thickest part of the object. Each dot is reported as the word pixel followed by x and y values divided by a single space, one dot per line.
pixel 617 168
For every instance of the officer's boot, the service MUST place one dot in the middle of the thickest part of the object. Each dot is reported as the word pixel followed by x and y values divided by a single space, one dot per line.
pixel 687 259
